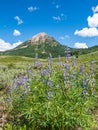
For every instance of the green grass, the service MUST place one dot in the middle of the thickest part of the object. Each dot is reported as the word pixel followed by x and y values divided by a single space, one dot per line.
pixel 14 59
pixel 13 65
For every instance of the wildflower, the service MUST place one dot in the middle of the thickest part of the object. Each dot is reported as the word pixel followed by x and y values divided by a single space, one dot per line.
pixel 59 61
pixel 50 94
pixel 66 66
pixel 29 69
pixel 50 83
pixel 85 84
pixel 8 99
pixel 93 62
pixel 66 74
pixel 48 69
pixel 67 52
pixel 36 56
pixel 73 62
pixel 83 93
pixel 37 64
pixel 92 68
pixel 25 88
pixel 43 80
pixel 81 69
pixel 44 72
pixel 50 59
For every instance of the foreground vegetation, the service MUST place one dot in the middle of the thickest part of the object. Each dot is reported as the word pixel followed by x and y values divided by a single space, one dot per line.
pixel 53 94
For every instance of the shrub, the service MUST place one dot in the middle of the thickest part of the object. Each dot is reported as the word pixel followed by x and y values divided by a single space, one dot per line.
pixel 56 97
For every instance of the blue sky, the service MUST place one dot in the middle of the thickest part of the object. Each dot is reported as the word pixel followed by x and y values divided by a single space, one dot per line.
pixel 71 22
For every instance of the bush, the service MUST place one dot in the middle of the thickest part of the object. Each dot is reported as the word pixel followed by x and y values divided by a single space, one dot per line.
pixel 56 97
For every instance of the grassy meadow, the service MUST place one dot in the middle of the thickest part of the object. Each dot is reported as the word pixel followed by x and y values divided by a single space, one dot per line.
pixel 39 103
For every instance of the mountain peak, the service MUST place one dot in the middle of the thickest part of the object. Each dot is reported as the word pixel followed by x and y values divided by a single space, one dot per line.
pixel 41 38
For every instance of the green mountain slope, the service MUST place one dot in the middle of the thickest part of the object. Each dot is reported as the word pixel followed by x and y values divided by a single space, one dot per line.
pixel 43 45
pixel 43 50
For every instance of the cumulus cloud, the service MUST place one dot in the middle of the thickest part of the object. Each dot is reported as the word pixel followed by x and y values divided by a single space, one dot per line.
pixel 80 45
pixel 7 46
pixel 91 30
pixel 93 21
pixel 16 44
pixel 87 32
pixel 61 17
pixel 95 9
pixel 16 33
pixel 18 20
pixel 31 8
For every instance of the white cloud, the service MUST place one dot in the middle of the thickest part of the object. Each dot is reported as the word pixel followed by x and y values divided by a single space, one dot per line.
pixel 64 37
pixel 16 33
pixel 95 9
pixel 7 46
pixel 61 17
pixel 31 8
pixel 87 32
pixel 93 21
pixel 80 45
pixel 18 20
pixel 56 18
pixel 92 30
pixel 16 44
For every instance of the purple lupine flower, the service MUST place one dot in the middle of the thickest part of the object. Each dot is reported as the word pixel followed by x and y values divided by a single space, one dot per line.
pixel 50 59
pixel 43 80
pixel 37 64
pixel 93 62
pixel 36 56
pixel 85 85
pixel 66 65
pixel 48 69
pixel 66 74
pixel 83 92
pixel 81 69
pixel 92 68
pixel 92 81
pixel 59 61
pixel 50 94
pixel 44 72
pixel 22 79
pixel 25 88
pixel 68 55
pixel 29 70
pixel 8 99
pixel 74 62
pixel 50 83
pixel 67 52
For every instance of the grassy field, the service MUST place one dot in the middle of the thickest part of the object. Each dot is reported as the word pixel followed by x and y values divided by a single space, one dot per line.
pixel 10 66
